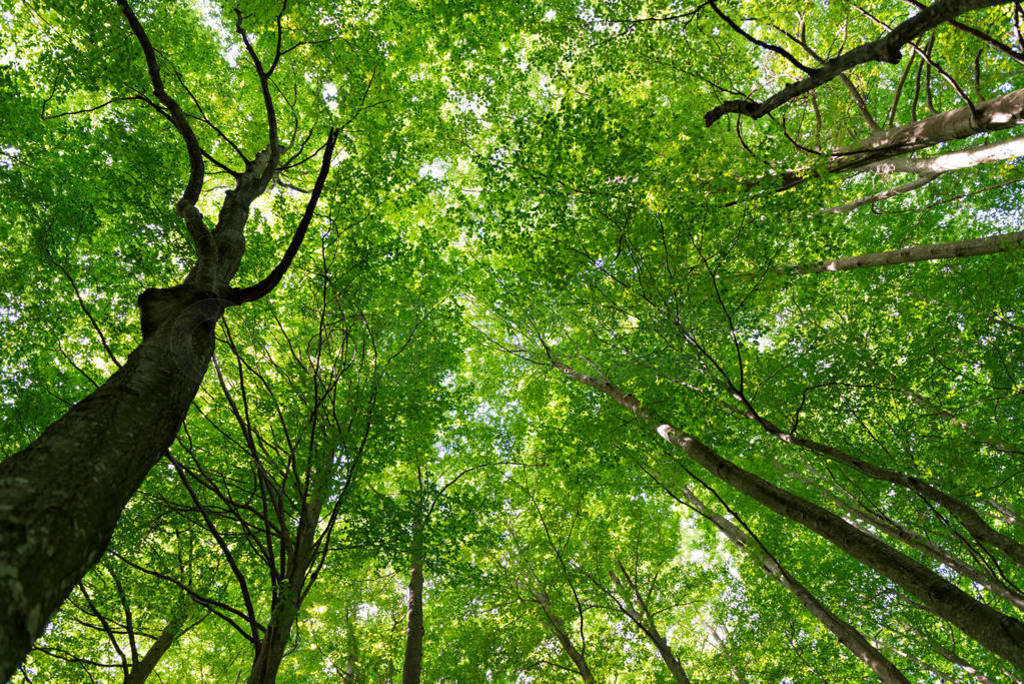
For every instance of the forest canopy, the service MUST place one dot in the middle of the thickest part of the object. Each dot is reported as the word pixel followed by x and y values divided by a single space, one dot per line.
pixel 518 341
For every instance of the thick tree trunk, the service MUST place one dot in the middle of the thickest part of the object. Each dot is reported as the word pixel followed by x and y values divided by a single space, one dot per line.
pixel 847 634
pixel 989 581
pixel 999 113
pixel 414 631
pixel 61 496
pixel 972 521
pixel 141 670
pixel 995 631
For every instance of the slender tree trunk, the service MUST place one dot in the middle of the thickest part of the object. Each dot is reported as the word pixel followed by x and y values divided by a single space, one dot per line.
pixel 958 249
pixel 847 634
pixel 995 631
pixel 351 645
pixel 972 521
pixel 141 670
pixel 558 627
pixel 288 598
pixel 635 608
pixel 675 668
pixel 414 631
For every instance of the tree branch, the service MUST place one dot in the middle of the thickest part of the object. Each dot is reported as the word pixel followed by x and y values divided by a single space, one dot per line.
pixel 264 287
pixel 885 49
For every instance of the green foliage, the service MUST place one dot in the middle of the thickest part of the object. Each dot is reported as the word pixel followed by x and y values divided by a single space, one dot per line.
pixel 519 186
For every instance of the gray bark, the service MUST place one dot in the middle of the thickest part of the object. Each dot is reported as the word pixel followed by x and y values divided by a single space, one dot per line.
pixel 996 114
pixel 999 633
pixel 847 634
pixel 957 249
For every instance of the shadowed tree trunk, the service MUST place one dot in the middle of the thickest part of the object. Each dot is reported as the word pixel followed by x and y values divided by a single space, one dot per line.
pixel 61 496
pixel 168 635
pixel 414 631
pixel 847 634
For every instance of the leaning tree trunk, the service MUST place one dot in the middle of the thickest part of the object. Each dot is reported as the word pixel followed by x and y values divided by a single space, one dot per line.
pixel 61 497
pixel 846 633
pixel 557 627
pixel 999 633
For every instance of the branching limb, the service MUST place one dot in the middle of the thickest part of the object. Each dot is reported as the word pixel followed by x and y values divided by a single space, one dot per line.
pixel 265 286
pixel 901 189
pixel 885 49
pixel 177 116
pixel 268 99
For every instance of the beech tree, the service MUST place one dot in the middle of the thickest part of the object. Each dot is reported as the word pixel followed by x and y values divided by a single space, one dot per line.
pixel 534 342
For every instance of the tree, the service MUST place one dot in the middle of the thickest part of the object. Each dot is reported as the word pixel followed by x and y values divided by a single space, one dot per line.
pixel 612 392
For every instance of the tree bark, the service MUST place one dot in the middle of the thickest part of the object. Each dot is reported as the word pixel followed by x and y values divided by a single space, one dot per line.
pixel 995 631
pixel 287 598
pixel 847 634
pixel 996 114
pixel 414 631
pixel 558 627
pixel 141 670
pixel 957 249
pixel 999 113
pixel 61 496
pixel 643 619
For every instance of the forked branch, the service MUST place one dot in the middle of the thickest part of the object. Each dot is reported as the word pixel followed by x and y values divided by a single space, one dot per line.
pixel 265 286
pixel 884 49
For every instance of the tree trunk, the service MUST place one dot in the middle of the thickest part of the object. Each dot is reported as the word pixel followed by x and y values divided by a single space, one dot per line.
pixel 61 496
pixel 141 670
pixel 642 618
pixel 287 599
pixel 999 113
pixel 270 653
pixel 958 249
pixel 995 631
pixel 847 634
pixel 679 675
pixel 413 663
pixel 558 627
